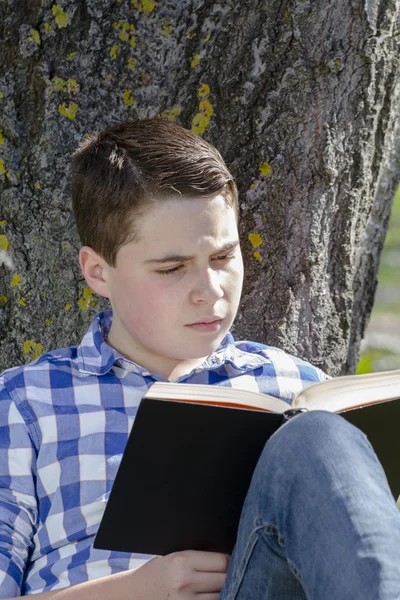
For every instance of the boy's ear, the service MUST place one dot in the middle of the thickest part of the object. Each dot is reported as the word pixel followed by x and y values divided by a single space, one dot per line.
pixel 94 270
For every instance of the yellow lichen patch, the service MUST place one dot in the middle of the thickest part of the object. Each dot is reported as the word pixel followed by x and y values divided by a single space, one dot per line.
pixel 12 102
pixel 202 119
pixel 195 61
pixel 69 110
pixel 124 35
pixel 71 55
pixel 203 91
pixel 87 299
pixel 31 347
pixel 22 302
pixel 16 280
pixel 68 306
pixel 144 6
pixel 3 222
pixel 1 137
pixel 128 30
pixel 251 187
pixel 337 61
pixel 48 27
pixel 265 168
pixel 257 255
pixel 207 38
pixel 170 115
pixel 167 30
pixel 60 16
pixel 1 95
pixel 56 85
pixel 128 97
pixel 265 219
pixel 132 43
pixel 35 37
pixel 65 245
pixel 38 186
pixel 255 239
pixel 2 167
pixel 43 294
pixel 72 86
pixel 116 25
pixel 4 243
pixel 49 322
pixel 115 49
pixel 190 35
pixel 3 300
pixel 132 64
pixel 59 85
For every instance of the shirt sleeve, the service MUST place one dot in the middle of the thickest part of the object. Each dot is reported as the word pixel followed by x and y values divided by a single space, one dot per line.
pixel 18 504
pixel 322 376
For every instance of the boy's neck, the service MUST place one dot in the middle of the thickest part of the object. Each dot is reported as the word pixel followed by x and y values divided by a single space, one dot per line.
pixel 172 373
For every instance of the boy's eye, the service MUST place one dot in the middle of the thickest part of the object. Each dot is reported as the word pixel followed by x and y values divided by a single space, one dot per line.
pixel 175 269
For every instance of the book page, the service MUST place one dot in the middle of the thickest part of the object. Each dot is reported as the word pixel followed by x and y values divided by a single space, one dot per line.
pixel 217 395
pixel 350 391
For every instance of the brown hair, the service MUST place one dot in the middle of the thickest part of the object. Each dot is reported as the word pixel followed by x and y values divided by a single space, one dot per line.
pixel 119 174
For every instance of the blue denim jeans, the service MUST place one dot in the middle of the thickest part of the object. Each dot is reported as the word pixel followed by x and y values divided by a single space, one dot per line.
pixel 319 520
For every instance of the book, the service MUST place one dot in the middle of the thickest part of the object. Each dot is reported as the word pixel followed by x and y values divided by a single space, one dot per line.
pixel 192 450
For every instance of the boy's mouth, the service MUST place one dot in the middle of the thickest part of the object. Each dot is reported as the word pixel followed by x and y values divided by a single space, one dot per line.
pixel 207 321
pixel 206 327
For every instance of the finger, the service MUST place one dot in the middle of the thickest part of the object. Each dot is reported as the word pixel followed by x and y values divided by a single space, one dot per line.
pixel 209 561
pixel 203 583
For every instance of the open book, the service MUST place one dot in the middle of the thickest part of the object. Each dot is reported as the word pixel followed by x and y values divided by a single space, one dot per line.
pixel 193 448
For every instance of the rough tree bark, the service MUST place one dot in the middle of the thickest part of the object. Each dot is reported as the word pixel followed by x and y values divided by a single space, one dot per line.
pixel 302 98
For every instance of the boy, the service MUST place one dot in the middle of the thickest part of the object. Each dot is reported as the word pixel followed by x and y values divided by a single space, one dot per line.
pixel 157 211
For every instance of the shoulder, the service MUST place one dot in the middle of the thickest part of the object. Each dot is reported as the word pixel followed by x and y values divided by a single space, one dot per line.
pixel 37 378
pixel 55 359
pixel 26 391
pixel 281 363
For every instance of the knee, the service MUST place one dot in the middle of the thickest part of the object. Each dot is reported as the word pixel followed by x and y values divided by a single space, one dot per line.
pixel 316 430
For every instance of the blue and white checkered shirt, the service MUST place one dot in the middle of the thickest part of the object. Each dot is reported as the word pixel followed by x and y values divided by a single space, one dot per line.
pixel 65 419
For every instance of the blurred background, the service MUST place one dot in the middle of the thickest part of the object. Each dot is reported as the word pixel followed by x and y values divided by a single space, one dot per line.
pixel 380 348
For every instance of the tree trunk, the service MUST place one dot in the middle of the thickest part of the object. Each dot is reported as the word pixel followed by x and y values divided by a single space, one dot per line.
pixel 303 101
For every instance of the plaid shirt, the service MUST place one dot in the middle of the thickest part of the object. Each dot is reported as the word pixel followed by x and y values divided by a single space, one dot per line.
pixel 65 419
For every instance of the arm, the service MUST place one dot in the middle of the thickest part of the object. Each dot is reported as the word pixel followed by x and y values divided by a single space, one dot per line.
pixel 18 506
pixel 120 586
pixel 177 576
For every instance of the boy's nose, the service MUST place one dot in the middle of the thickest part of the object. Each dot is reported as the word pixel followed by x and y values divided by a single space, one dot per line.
pixel 208 285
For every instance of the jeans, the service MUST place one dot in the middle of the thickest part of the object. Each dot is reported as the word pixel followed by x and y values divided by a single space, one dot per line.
pixel 319 520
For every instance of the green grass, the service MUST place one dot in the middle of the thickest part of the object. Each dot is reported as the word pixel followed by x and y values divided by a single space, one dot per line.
pixel 388 277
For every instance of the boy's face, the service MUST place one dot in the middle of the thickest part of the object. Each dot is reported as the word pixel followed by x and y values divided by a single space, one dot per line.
pixel 151 310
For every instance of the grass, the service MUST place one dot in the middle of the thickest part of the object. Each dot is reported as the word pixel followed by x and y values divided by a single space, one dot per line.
pixel 378 359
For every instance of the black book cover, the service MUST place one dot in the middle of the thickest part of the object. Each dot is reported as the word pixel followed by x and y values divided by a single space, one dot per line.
pixel 183 477
pixel 381 424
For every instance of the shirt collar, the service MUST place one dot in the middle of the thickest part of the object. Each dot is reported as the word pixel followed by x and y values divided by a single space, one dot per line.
pixel 96 357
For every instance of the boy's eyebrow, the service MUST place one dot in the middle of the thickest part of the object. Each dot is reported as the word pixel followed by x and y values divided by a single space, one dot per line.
pixel 176 257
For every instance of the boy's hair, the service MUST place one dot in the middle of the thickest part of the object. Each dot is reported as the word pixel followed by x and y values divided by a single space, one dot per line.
pixel 121 173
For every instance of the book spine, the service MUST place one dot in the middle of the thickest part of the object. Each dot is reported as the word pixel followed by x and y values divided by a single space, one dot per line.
pixel 292 412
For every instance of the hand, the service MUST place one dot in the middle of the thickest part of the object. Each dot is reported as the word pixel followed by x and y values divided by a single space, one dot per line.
pixel 186 575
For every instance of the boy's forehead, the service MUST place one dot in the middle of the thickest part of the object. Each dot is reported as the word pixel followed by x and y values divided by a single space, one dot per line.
pixel 176 228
